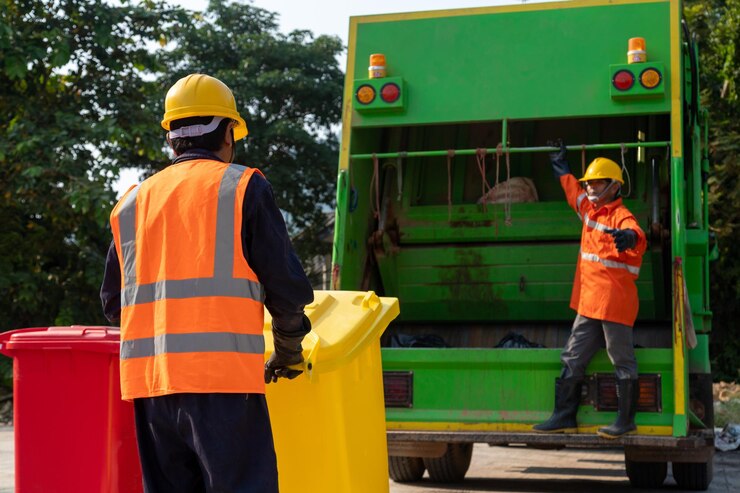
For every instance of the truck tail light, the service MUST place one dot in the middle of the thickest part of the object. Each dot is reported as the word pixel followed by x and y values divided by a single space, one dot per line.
pixel 365 94
pixel 390 93
pixel 648 401
pixel 650 78
pixel 398 388
pixel 623 80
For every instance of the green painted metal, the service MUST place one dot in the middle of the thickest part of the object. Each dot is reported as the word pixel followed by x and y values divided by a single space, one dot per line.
pixel 496 386
pixel 507 81
pixel 544 63
pixel 698 363
pixel 493 283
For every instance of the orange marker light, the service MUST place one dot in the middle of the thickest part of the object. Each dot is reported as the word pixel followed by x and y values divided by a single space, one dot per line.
pixel 636 52
pixel 650 78
pixel 365 94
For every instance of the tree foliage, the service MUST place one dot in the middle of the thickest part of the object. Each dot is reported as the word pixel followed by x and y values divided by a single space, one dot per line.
pixel 82 84
pixel 75 109
pixel 290 88
pixel 717 26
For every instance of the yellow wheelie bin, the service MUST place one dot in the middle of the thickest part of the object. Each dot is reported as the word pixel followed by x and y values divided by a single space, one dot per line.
pixel 329 422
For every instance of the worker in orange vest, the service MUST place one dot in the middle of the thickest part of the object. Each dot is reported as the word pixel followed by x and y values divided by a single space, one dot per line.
pixel 199 250
pixel 604 293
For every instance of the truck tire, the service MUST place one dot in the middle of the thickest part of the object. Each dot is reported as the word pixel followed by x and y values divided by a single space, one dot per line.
pixel 646 474
pixel 452 466
pixel 694 476
pixel 405 469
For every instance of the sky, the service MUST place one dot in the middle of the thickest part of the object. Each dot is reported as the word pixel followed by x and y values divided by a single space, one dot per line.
pixel 329 17
pixel 332 16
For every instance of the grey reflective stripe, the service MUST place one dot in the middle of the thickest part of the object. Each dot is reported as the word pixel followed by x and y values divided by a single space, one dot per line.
pixel 224 262
pixel 592 257
pixel 579 199
pixel 127 229
pixel 137 294
pixel 222 283
pixel 593 224
pixel 199 342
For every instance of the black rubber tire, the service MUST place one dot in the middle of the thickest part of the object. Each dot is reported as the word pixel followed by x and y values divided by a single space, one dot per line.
pixel 695 476
pixel 452 466
pixel 646 474
pixel 405 469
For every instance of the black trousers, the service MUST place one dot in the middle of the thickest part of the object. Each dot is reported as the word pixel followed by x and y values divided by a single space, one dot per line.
pixel 206 443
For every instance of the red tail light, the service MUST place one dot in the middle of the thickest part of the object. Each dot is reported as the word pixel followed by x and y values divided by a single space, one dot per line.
pixel 648 401
pixel 390 92
pixel 398 388
pixel 623 80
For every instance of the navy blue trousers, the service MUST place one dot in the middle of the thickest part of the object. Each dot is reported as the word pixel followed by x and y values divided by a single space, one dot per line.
pixel 206 443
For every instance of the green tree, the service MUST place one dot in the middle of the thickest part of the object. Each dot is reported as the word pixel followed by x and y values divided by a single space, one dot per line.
pixel 288 89
pixel 82 84
pixel 76 108
pixel 717 26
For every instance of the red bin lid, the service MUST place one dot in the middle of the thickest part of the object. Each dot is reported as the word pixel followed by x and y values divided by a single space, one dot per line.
pixel 75 337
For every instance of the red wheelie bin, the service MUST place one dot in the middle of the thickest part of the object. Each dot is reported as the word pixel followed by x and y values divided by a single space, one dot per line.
pixel 73 433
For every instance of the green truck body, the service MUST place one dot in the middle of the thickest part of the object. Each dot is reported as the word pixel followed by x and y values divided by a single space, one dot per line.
pixel 470 99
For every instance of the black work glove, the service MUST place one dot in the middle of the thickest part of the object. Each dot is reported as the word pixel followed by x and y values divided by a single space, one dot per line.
pixel 557 159
pixel 623 238
pixel 288 352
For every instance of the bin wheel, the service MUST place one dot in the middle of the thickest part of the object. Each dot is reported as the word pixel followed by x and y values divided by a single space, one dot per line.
pixel 452 466
pixel 646 474
pixel 405 469
pixel 694 476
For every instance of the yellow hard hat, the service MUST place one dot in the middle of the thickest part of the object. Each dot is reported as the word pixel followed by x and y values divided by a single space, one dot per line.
pixel 602 168
pixel 202 95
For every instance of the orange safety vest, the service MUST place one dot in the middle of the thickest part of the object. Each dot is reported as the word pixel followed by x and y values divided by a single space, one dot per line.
pixel 604 286
pixel 192 310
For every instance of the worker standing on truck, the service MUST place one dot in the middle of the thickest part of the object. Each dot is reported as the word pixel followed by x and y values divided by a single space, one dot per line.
pixel 203 250
pixel 604 293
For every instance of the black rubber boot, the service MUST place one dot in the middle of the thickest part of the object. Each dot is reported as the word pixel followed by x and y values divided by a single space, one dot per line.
pixel 628 391
pixel 567 399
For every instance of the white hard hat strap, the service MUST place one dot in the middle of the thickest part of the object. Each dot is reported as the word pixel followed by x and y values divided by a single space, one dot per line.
pixel 196 130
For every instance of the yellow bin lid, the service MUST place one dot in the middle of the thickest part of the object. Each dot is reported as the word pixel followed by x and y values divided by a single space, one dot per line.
pixel 343 324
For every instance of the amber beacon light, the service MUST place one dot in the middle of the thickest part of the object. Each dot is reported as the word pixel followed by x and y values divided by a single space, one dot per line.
pixel 636 52
pixel 376 70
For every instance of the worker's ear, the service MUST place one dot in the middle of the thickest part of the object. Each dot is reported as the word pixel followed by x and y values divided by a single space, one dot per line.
pixel 169 143
pixel 229 134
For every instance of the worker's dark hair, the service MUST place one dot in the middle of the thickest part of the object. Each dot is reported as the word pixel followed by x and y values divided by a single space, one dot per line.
pixel 211 141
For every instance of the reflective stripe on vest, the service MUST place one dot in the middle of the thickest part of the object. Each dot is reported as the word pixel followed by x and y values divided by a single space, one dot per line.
pixel 579 199
pixel 593 224
pixel 221 284
pixel 592 257
pixel 195 342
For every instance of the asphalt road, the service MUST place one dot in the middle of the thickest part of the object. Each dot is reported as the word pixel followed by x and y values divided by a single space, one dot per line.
pixel 523 469
pixel 511 469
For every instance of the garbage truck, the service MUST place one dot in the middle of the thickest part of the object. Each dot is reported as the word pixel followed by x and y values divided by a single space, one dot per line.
pixel 446 200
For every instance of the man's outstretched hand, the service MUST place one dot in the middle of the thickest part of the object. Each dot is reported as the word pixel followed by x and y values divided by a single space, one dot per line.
pixel 624 239
pixel 558 160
